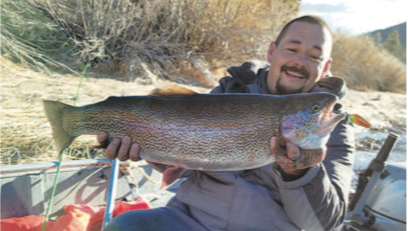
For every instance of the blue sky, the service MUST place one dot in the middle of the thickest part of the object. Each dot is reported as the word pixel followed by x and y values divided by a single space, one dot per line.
pixel 358 16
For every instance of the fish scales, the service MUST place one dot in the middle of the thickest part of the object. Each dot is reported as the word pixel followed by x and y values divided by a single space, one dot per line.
pixel 205 132
pixel 167 133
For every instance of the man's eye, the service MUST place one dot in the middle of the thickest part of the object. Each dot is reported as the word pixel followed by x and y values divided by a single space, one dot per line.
pixel 291 50
pixel 315 57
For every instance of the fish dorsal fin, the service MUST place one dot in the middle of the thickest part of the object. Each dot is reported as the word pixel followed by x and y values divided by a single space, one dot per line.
pixel 171 90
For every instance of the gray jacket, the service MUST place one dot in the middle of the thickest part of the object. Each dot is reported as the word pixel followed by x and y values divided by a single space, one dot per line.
pixel 262 199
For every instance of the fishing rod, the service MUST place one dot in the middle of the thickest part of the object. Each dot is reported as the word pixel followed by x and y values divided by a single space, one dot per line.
pixel 110 204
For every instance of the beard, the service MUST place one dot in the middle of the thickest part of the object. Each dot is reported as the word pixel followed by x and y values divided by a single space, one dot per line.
pixel 286 90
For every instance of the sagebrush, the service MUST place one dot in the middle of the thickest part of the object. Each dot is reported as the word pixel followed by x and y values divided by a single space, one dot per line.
pixel 366 65
pixel 158 36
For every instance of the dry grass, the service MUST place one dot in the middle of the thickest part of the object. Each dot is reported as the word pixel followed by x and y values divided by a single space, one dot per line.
pixel 367 66
pixel 25 131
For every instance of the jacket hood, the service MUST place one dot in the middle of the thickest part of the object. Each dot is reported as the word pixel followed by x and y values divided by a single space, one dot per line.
pixel 334 85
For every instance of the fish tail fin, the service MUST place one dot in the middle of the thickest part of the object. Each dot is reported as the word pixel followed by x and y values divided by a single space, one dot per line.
pixel 55 113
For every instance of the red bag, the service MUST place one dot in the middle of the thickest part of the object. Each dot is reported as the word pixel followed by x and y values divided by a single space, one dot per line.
pixel 78 218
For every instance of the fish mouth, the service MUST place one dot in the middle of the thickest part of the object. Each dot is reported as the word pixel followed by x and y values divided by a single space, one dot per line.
pixel 328 119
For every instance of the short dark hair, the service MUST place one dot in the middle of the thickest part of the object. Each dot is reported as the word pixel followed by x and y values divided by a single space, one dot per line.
pixel 307 18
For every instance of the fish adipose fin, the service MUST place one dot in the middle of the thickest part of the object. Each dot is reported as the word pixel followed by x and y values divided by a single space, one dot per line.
pixel 171 90
pixel 171 174
pixel 55 112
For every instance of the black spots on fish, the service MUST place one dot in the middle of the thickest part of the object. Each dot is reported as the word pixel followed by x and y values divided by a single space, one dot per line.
pixel 204 148
pixel 212 151
pixel 303 122
pixel 275 127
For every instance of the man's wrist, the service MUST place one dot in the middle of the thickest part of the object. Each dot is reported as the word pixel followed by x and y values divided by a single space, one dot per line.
pixel 294 175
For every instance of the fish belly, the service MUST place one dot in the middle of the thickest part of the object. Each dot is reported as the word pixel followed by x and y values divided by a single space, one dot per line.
pixel 205 149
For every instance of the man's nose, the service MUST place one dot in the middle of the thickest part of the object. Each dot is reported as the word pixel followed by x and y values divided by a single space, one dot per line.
pixel 300 60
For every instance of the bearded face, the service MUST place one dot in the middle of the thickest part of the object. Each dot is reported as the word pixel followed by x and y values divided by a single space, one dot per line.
pixel 300 60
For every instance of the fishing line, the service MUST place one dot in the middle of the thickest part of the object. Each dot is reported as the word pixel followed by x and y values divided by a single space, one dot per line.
pixel 54 186
pixel 80 82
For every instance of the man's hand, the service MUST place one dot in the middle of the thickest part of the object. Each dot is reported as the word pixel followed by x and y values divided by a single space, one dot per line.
pixel 123 150
pixel 293 160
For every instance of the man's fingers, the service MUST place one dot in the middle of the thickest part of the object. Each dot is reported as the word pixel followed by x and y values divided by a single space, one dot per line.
pixel 312 157
pixel 277 148
pixel 283 160
pixel 123 153
pixel 112 149
pixel 291 158
pixel 101 137
pixel 134 152
pixel 121 149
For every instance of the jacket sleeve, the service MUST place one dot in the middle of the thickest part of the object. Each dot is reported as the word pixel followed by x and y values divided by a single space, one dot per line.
pixel 318 200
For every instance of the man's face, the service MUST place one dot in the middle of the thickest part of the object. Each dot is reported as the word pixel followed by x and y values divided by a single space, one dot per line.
pixel 300 60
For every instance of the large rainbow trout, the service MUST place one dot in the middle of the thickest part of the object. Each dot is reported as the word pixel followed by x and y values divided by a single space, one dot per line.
pixel 212 132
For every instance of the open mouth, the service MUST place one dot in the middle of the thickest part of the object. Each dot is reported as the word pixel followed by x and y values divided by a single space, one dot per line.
pixel 295 74
pixel 328 119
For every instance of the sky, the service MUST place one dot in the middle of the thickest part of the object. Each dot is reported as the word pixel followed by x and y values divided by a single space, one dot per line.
pixel 357 16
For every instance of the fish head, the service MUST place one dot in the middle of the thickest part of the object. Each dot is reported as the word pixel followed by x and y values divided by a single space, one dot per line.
pixel 310 119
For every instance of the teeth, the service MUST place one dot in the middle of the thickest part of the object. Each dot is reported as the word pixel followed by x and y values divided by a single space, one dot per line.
pixel 295 74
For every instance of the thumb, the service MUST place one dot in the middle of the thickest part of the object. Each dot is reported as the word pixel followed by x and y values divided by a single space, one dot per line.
pixel 101 137
pixel 293 151
pixel 273 143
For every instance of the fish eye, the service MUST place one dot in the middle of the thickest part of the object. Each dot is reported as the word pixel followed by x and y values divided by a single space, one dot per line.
pixel 315 107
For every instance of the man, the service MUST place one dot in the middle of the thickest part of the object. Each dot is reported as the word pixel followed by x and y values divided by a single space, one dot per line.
pixel 303 190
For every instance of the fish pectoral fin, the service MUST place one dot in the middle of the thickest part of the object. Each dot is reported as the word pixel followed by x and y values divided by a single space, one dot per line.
pixel 171 174
pixel 171 90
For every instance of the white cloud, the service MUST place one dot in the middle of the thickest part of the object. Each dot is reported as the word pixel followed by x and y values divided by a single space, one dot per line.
pixel 325 8
pixel 358 16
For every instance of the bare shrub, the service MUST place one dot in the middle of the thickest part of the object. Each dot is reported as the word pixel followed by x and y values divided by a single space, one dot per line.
pixel 366 65
pixel 30 38
pixel 160 32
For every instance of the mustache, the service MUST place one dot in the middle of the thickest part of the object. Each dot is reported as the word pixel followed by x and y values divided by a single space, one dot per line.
pixel 301 71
